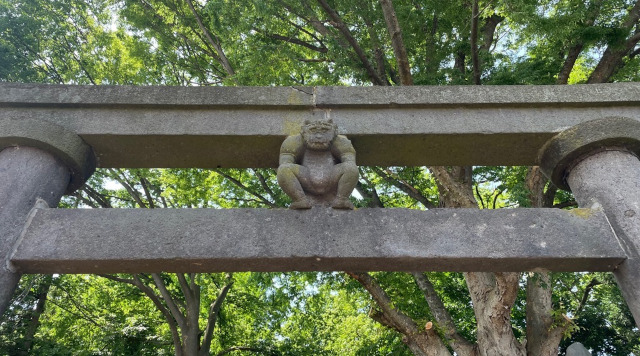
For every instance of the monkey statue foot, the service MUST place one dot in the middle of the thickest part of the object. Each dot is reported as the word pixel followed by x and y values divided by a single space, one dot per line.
pixel 342 203
pixel 303 203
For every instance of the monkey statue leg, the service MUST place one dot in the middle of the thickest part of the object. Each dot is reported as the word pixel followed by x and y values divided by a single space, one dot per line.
pixel 346 174
pixel 291 178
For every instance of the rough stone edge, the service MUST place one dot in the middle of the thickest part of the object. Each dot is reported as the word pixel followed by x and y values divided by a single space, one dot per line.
pixel 301 97
pixel 565 150
pixel 78 237
pixel 34 95
pixel 55 139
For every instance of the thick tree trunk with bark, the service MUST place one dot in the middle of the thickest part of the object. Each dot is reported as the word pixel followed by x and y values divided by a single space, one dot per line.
pixel 493 295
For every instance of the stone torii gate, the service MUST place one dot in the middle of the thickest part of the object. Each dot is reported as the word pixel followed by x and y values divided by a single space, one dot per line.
pixel 586 138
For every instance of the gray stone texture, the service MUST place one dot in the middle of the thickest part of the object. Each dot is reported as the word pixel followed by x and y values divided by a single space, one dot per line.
pixel 318 167
pixel 244 127
pixel 55 139
pixel 569 147
pixel 577 349
pixel 611 179
pixel 26 174
pixel 319 239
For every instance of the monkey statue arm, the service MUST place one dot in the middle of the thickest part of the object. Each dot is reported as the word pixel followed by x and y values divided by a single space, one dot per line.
pixel 343 150
pixel 291 150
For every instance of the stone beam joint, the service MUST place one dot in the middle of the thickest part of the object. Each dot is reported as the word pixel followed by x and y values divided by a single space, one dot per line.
pixel 570 147
pixel 62 143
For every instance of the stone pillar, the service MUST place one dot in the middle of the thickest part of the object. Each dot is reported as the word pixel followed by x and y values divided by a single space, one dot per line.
pixel 598 161
pixel 38 160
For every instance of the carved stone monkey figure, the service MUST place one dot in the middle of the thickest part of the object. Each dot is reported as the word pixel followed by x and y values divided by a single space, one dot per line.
pixel 318 167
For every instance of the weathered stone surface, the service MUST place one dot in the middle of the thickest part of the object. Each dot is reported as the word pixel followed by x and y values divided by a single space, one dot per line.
pixel 320 239
pixel 172 96
pixel 318 167
pixel 572 145
pixel 26 174
pixel 611 179
pixel 244 127
pixel 577 349
pixel 489 95
pixel 63 144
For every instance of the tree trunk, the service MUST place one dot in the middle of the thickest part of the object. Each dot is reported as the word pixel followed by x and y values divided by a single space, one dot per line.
pixel 543 338
pixel 493 295
pixel 399 50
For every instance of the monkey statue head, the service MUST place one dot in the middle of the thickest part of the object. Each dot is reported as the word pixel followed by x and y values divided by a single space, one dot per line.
pixel 318 134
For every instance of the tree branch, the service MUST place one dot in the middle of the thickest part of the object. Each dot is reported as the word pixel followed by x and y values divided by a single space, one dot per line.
pixel 214 310
pixel 264 185
pixel 495 198
pixel 569 62
pixel 339 24
pixel 78 60
pixel 156 300
pixel 479 196
pixel 88 202
pixel 99 198
pixel 134 194
pixel 34 317
pixel 300 28
pixel 611 60
pixel 184 286
pixel 421 342
pixel 296 41
pixel 489 30
pixel 399 49
pixel 404 186
pixel 262 199
pixel 475 59
pixel 145 187
pixel 576 49
pixel 370 195
pixel 585 295
pixel 400 321
pixel 166 296
pixel 460 345
pixel 378 53
pixel 81 310
pixel 215 43
pixel 566 204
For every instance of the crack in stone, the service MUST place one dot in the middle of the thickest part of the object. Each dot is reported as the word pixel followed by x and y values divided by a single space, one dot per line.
pixel 312 93
pixel 303 91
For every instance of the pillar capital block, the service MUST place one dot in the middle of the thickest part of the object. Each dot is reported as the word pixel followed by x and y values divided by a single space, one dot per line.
pixel 62 143
pixel 565 150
